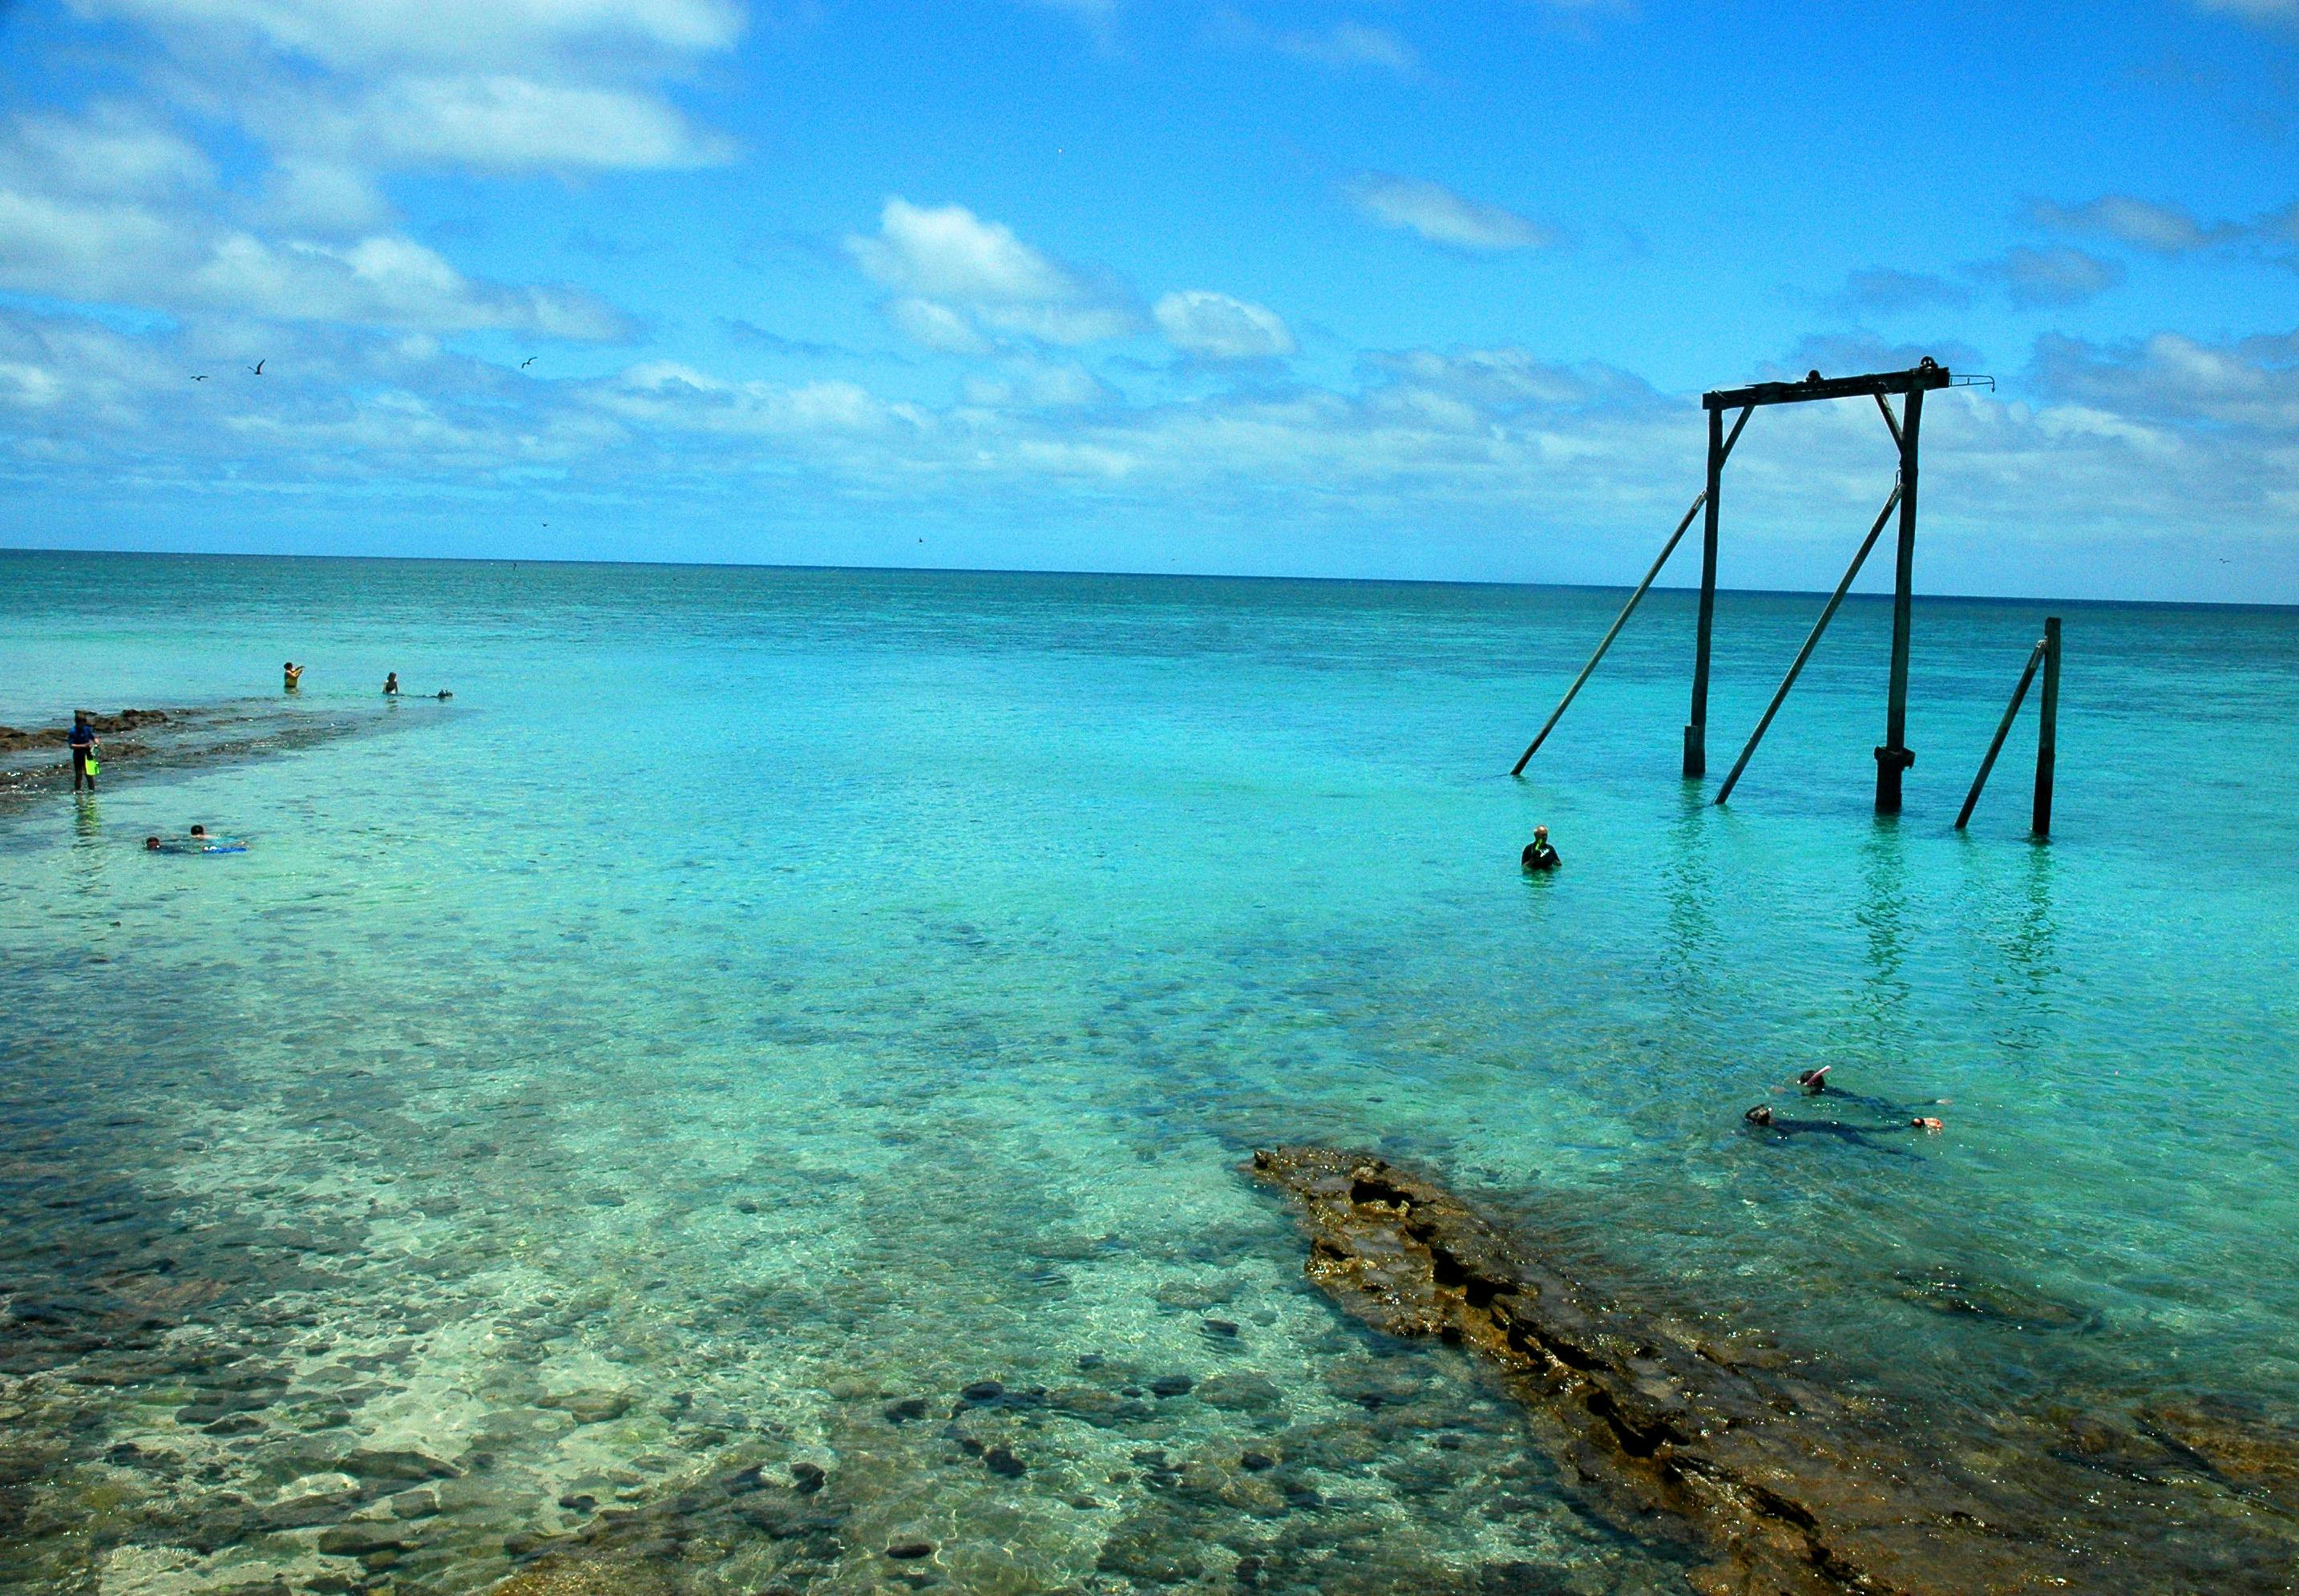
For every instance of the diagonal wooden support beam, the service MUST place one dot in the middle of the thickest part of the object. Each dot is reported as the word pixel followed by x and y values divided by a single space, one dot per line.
pixel 2003 730
pixel 1668 548
pixel 1890 419
pixel 1810 643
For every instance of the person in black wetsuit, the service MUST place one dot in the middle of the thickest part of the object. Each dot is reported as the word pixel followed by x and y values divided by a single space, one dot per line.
pixel 82 743
pixel 1537 854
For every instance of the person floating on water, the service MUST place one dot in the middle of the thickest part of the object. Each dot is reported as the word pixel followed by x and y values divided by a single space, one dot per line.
pixel 1761 1119
pixel 1537 854
pixel 391 685
pixel 293 674
pixel 82 743
pixel 198 841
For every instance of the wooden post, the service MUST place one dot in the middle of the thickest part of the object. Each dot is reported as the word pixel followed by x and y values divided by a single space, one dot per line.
pixel 2048 732
pixel 1892 758
pixel 1810 643
pixel 2003 730
pixel 1695 733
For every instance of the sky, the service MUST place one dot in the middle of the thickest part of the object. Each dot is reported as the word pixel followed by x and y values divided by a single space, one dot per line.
pixel 1267 287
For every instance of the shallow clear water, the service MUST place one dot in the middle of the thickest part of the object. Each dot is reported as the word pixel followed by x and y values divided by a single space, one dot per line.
pixel 761 997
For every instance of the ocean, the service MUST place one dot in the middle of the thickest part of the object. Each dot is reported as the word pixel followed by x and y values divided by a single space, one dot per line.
pixel 762 1005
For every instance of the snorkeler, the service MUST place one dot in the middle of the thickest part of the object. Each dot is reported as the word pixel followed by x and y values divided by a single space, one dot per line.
pixel 198 841
pixel 1814 1081
pixel 1537 854
pixel 1761 1119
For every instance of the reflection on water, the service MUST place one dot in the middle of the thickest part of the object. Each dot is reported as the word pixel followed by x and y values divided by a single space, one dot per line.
pixel 1882 915
pixel 598 1103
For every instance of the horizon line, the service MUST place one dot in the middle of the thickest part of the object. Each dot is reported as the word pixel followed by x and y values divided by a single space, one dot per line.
pixel 995 570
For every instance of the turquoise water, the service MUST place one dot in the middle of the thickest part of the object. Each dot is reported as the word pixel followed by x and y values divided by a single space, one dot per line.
pixel 759 998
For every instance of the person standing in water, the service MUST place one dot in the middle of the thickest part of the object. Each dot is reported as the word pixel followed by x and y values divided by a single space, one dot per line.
pixel 292 675
pixel 1537 854
pixel 391 685
pixel 82 743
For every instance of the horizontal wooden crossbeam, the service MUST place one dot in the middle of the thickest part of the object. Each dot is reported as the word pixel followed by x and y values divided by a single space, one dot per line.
pixel 1915 378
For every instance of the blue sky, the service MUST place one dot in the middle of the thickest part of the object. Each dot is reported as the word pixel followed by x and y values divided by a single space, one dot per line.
pixel 1375 289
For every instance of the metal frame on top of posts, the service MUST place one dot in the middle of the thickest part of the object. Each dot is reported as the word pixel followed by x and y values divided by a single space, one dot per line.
pixel 1893 756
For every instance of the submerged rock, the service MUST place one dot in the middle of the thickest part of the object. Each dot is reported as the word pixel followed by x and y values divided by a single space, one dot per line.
pixel 1775 1484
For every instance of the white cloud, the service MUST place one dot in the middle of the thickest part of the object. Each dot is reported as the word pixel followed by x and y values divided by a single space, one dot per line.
pixel 950 252
pixel 111 152
pixel 366 33
pixel 83 250
pixel 1066 324
pixel 2165 229
pixel 1036 384
pixel 935 325
pixel 307 196
pixel 1098 17
pixel 954 272
pixel 1342 46
pixel 118 204
pixel 2110 441
pixel 1353 44
pixel 1215 327
pixel 2283 12
pixel 2033 277
pixel 503 122
pixel 92 252
pixel 1442 216
pixel 505 85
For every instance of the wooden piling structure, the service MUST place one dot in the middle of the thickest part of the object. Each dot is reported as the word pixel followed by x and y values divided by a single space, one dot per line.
pixel 2048 731
pixel 1893 757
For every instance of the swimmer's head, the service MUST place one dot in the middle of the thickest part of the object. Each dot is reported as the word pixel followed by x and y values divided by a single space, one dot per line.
pixel 1815 1080
pixel 1759 1115
pixel 1927 1123
pixel 199 831
pixel 151 841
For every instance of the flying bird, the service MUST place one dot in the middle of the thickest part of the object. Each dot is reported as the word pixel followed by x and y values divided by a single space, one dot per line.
pixel 524 364
pixel 202 377
pixel 258 367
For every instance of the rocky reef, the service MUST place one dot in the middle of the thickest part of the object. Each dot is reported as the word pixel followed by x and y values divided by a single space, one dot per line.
pixel 1775 1482
pixel 36 760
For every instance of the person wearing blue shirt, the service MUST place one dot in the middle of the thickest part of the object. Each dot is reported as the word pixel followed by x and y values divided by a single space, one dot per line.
pixel 82 743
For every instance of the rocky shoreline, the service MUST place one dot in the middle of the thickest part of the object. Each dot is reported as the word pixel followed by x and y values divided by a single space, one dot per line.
pixel 35 760
pixel 1776 1482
